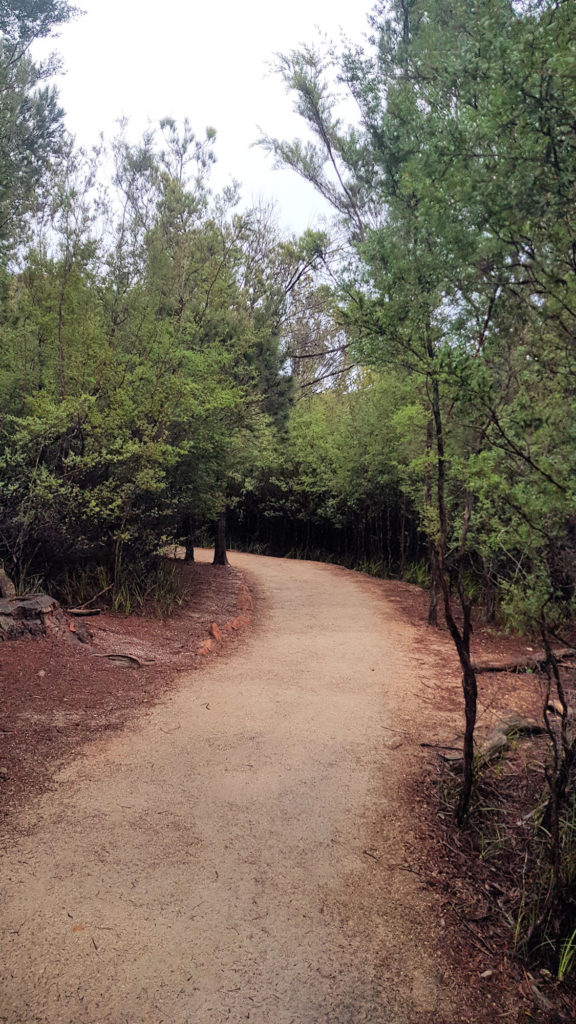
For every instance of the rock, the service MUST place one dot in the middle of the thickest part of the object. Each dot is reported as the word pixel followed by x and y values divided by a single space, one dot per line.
pixel 3 773
pixel 6 625
pixel 206 647
pixel 494 744
pixel 498 739
pixel 80 632
pixel 515 723
pixel 245 601
pixel 240 620
pixel 216 632
pixel 555 706
pixel 7 588
pixel 393 745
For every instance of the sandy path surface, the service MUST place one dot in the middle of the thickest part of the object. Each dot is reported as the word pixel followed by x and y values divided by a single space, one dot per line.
pixel 238 854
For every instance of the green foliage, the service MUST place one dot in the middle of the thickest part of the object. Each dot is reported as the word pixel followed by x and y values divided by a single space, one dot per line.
pixel 456 191
pixel 456 188
pixel 141 362
pixel 22 21
pixel 155 587
pixel 334 484
pixel 31 120
pixel 152 585
pixel 567 959
pixel 545 917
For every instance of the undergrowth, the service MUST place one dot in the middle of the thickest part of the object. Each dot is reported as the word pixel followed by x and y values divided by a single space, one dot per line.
pixel 506 850
pixel 155 586
pixel 416 572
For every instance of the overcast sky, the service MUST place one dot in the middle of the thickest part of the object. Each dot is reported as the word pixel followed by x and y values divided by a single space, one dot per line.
pixel 207 62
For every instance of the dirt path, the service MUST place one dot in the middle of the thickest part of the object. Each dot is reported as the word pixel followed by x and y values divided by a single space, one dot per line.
pixel 239 853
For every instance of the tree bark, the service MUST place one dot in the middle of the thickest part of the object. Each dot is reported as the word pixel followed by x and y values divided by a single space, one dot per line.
pixel 189 539
pixel 433 595
pixel 61 357
pixel 461 637
pixel 489 594
pixel 432 560
pixel 402 536
pixel 220 556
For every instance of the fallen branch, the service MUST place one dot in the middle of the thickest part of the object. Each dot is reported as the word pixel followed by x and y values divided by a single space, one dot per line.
pixel 439 746
pixel 122 659
pixel 475 936
pixel 533 663
pixel 75 611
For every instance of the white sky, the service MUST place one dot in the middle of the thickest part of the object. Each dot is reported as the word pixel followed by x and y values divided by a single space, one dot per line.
pixel 205 61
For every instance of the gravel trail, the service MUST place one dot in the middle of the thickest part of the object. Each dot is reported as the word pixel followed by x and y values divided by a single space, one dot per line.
pixel 239 853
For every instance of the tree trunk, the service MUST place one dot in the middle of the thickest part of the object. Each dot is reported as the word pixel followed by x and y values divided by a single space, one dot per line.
pixel 470 688
pixel 220 557
pixel 489 595
pixel 433 596
pixel 189 539
pixel 61 369
pixel 432 560
pixel 461 638
pixel 402 536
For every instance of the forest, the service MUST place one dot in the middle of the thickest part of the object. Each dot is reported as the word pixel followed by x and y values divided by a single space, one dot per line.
pixel 395 394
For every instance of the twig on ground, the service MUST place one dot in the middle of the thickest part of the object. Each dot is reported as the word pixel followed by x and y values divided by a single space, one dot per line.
pixel 477 938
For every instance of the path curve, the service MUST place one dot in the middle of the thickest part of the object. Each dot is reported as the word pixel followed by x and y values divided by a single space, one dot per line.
pixel 238 854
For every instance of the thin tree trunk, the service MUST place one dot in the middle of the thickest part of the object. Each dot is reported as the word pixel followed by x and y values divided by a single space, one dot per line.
pixel 432 560
pixel 402 536
pixel 489 595
pixel 461 638
pixel 61 365
pixel 560 779
pixel 220 556
pixel 433 594
pixel 190 529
